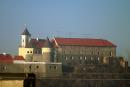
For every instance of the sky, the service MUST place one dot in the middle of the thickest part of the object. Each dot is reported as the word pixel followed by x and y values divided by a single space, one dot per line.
pixel 105 19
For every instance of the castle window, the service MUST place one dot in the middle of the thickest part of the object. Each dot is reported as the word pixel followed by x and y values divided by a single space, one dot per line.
pixel 37 67
pixel 85 58
pixel 98 53
pixel 55 67
pixel 80 58
pixel 110 53
pixel 66 58
pixel 80 62
pixel 98 58
pixel 23 40
pixel 27 51
pixel 92 53
pixel 30 51
pixel 91 58
pixel 50 67
pixel 30 67
pixel 72 57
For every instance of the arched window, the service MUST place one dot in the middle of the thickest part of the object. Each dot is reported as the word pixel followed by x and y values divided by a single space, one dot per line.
pixel 91 58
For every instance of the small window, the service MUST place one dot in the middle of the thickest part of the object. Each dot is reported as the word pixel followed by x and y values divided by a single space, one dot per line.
pixel 27 51
pixel 37 67
pixel 92 52
pixel 98 58
pixel 66 58
pixel 85 58
pixel 98 53
pixel 23 40
pixel 30 67
pixel 110 53
pixel 80 58
pixel 55 67
pixel 30 51
pixel 4 67
pixel 50 67
pixel 72 57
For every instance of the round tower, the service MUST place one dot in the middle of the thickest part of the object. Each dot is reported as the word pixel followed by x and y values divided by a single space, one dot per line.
pixel 25 38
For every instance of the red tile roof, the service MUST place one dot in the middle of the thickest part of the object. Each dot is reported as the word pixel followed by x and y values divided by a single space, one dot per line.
pixel 84 42
pixel 6 58
pixel 37 43
pixel 18 58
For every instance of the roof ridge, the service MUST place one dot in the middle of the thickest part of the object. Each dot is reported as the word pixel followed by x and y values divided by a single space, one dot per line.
pixel 84 42
pixel 80 38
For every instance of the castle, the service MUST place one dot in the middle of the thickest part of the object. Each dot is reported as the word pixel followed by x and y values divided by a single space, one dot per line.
pixel 64 49
pixel 53 57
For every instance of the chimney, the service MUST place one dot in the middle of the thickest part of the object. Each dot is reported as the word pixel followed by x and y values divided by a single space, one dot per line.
pixel 4 54
pixel 37 39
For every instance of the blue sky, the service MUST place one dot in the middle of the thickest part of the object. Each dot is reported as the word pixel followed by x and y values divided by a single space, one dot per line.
pixel 107 19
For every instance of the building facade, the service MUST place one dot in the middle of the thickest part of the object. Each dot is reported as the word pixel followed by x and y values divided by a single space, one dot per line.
pixel 82 50
pixel 68 51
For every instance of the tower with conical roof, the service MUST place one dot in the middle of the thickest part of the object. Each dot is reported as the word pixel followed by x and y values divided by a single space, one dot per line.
pixel 25 37
pixel 25 48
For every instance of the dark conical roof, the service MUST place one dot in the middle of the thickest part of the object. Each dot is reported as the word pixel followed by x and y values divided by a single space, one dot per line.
pixel 26 32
